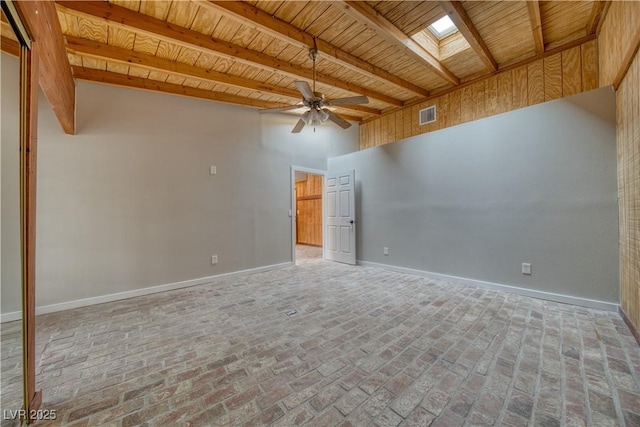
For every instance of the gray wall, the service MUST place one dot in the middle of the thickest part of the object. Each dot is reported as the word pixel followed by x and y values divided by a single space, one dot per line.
pixel 128 202
pixel 10 292
pixel 477 200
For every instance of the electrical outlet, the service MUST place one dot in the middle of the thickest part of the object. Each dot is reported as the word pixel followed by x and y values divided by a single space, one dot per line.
pixel 212 170
pixel 526 268
pixel 214 259
pixel 385 251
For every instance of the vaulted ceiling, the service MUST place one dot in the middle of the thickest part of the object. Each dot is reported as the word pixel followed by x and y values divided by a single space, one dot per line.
pixel 251 52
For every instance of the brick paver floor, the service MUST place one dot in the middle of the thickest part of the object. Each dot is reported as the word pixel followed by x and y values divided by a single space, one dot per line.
pixel 366 347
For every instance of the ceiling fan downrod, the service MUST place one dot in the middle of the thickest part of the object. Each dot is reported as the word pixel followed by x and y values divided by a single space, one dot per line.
pixel 313 56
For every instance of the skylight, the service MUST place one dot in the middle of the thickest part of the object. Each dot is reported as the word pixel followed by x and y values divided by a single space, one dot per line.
pixel 443 27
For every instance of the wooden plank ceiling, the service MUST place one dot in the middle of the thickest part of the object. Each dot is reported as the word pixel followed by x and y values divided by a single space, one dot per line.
pixel 251 52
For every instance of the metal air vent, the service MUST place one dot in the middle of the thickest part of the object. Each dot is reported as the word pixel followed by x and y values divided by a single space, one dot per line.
pixel 428 115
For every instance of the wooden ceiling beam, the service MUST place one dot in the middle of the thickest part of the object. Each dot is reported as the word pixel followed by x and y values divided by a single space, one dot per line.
pixel 97 50
pixel 596 15
pixel 125 18
pixel 459 16
pixel 119 55
pixel 5 29
pixel 368 16
pixel 10 46
pixel 56 81
pixel 536 25
pixel 280 29
pixel 117 79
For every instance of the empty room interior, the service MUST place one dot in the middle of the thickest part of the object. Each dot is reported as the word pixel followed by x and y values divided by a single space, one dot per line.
pixel 320 213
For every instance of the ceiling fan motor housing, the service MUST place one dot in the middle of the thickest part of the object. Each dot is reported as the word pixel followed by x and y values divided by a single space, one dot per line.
pixel 316 103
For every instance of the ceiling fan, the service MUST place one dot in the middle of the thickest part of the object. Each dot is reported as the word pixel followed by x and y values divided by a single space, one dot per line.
pixel 317 112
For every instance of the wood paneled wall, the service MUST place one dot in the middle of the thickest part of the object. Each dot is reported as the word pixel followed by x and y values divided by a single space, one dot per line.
pixel 619 33
pixel 562 74
pixel 618 44
pixel 311 187
pixel 309 211
pixel 628 144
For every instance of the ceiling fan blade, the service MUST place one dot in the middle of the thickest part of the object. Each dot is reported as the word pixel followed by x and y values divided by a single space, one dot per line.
pixel 349 100
pixel 305 90
pixel 278 109
pixel 298 127
pixel 337 119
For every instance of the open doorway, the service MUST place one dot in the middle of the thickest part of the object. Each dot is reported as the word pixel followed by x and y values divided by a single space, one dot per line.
pixel 307 228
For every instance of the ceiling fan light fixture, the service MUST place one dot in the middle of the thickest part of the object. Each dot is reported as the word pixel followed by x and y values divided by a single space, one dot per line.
pixel 324 116
pixel 307 117
pixel 315 117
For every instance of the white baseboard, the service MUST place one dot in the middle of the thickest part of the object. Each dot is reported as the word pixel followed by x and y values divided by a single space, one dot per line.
pixel 583 302
pixel 566 299
pixel 17 315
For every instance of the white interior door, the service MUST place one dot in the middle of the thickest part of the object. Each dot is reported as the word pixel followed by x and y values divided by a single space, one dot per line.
pixel 340 217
